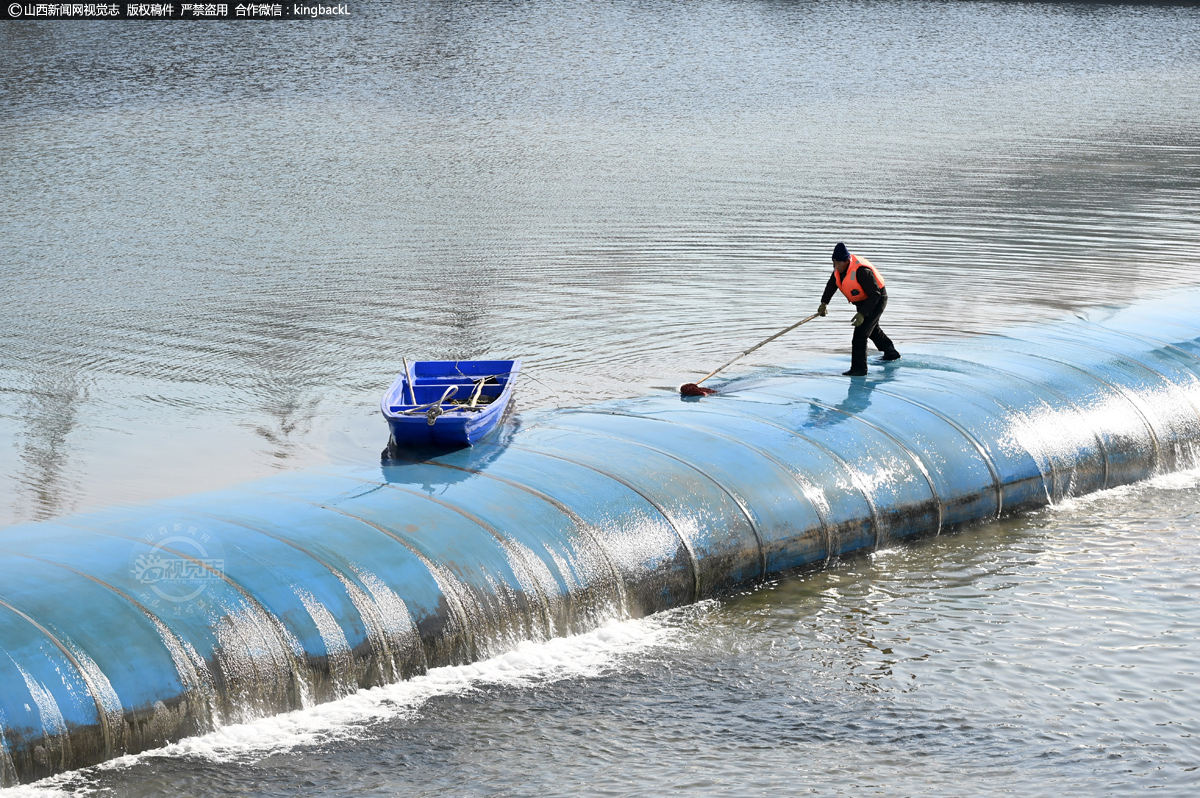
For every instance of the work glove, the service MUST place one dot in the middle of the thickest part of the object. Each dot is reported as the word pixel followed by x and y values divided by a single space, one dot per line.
pixel 823 310
pixel 858 319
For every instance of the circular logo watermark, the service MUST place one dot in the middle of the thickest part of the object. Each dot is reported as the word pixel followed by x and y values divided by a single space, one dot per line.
pixel 175 563
pixel 14 10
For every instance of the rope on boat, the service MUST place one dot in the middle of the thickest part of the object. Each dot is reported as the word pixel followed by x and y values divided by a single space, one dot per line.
pixel 434 409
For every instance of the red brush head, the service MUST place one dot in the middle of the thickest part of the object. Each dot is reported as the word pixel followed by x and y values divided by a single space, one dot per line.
pixel 692 389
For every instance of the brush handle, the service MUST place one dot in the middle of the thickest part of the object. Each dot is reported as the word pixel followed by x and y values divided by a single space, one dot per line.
pixel 756 346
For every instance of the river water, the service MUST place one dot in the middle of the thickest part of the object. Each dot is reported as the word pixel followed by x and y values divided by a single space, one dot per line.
pixel 218 240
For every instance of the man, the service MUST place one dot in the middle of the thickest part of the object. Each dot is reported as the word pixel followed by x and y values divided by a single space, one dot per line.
pixel 863 286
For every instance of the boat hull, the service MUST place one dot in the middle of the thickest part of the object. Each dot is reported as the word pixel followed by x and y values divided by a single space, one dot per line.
pixel 455 427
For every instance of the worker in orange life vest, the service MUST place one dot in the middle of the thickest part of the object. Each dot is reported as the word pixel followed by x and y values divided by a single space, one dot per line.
pixel 863 286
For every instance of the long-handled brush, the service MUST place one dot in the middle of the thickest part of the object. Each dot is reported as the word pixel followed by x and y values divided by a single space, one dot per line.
pixel 694 389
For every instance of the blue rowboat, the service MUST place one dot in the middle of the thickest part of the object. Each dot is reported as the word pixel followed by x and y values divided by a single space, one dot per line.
pixel 448 403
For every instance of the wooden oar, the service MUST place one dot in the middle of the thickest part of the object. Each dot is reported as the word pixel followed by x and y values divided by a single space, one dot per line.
pixel 694 389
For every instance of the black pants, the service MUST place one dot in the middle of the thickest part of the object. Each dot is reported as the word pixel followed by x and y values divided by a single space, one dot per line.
pixel 869 329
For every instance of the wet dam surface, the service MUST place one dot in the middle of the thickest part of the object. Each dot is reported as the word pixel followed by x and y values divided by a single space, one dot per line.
pixel 127 629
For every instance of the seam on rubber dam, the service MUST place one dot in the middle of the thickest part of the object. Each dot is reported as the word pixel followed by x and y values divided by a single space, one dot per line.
pixel 129 627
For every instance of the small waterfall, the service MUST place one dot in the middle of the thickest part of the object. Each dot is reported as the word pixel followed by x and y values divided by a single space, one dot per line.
pixel 124 629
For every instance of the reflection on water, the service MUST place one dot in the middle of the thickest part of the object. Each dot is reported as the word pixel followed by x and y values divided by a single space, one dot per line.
pixel 49 412
pixel 858 398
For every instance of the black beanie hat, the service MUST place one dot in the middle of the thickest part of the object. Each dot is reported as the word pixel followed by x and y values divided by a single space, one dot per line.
pixel 840 252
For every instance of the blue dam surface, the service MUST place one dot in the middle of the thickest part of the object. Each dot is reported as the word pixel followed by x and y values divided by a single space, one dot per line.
pixel 127 628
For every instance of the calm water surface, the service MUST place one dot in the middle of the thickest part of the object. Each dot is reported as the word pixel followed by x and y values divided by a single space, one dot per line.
pixel 218 241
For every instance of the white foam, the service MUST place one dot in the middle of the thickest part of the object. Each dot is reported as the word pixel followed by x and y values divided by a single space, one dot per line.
pixel 578 657
pixel 42 789
pixel 1177 480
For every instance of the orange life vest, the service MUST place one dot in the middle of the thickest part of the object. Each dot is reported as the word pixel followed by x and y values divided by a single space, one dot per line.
pixel 849 286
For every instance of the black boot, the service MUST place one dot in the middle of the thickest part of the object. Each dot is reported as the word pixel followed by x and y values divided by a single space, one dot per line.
pixel 893 355
pixel 855 373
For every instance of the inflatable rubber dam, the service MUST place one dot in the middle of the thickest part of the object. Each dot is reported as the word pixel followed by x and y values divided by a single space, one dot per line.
pixel 127 628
